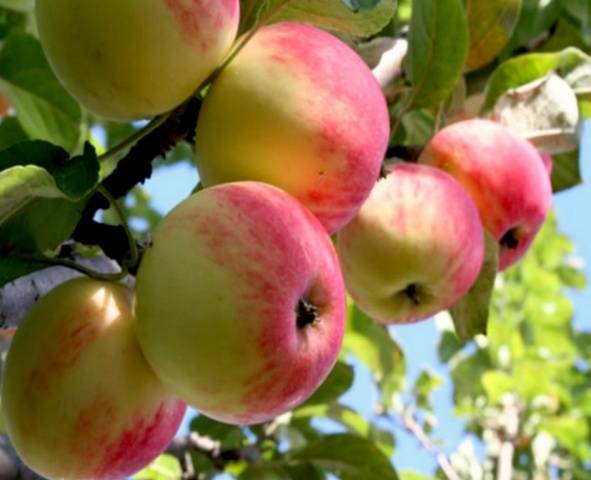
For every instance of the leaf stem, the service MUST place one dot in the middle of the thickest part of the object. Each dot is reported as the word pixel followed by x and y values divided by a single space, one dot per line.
pixel 132 139
pixel 133 250
pixel 62 262
pixel 241 43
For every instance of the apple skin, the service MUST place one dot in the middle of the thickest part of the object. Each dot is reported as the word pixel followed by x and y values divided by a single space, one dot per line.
pixel 505 176
pixel 298 109
pixel 130 59
pixel 548 162
pixel 78 397
pixel 218 302
pixel 415 247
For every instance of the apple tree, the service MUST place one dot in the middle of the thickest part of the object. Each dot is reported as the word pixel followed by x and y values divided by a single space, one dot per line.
pixel 95 98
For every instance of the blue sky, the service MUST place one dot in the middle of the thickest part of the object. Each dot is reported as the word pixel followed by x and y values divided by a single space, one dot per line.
pixel 169 185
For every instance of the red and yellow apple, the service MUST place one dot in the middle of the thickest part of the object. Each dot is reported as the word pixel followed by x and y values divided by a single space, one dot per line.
pixel 415 247
pixel 505 176
pixel 129 59
pixel 299 109
pixel 240 302
pixel 78 397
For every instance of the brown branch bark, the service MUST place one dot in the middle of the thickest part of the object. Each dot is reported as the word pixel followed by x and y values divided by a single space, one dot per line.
pixel 134 168
pixel 181 446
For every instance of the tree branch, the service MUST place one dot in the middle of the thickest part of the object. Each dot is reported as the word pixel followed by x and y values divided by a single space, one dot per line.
pixel 510 422
pixel 17 298
pixel 211 449
pixel 134 168
pixel 410 424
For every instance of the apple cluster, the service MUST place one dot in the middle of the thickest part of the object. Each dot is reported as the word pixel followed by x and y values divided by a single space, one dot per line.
pixel 239 306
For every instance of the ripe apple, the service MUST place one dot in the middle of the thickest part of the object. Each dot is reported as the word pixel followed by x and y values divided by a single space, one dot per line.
pixel 240 302
pixel 299 109
pixel 415 247
pixel 78 397
pixel 503 173
pixel 128 59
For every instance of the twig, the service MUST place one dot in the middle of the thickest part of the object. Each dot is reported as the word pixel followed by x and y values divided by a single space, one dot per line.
pixel 133 169
pixel 73 265
pixel 18 297
pixel 133 139
pixel 133 259
pixel 410 424
pixel 510 422
pixel 212 450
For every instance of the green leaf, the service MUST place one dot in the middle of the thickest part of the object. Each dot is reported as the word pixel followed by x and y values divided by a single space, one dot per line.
pixel 536 16
pixel 470 314
pixel 45 110
pixel 304 471
pixel 264 472
pixel 41 225
pixel 335 15
pixel 418 126
pixel 438 46
pixel 347 456
pixel 165 467
pixel 372 345
pixel 566 172
pixel 496 384
pixel 42 194
pixel 581 11
pixel 12 268
pixel 466 371
pixel 409 475
pixel 11 132
pixel 11 21
pixel 491 23
pixel 300 471
pixel 351 420
pixel 18 5
pixel 572 432
pixel 425 384
pixel 526 68
pixel 449 345
pixel 37 169
pixel 20 185
pixel 229 436
pixel 338 382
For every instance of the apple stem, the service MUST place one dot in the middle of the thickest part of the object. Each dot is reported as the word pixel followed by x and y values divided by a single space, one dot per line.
pixel 306 314
pixel 133 257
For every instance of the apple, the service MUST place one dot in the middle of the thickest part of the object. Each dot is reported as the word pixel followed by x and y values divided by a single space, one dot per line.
pixel 505 176
pixel 415 247
pixel 240 302
pixel 299 109
pixel 78 397
pixel 129 59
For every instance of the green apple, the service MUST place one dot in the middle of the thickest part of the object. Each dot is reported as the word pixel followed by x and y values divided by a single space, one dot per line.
pixel 415 247
pixel 240 302
pixel 129 59
pixel 299 109
pixel 79 399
